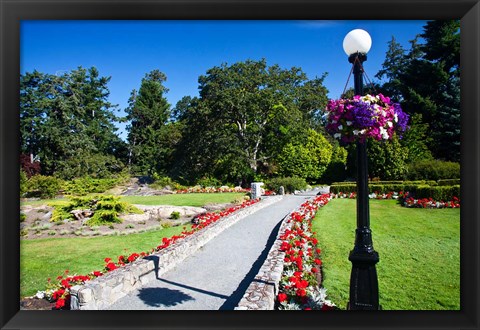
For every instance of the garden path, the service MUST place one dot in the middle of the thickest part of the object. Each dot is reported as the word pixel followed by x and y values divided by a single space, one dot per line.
pixel 217 275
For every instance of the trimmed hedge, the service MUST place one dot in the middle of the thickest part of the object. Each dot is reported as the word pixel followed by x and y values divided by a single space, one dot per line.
pixel 448 182
pixel 433 170
pixel 438 193
pixel 290 184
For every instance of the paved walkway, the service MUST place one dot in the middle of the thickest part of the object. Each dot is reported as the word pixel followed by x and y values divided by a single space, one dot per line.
pixel 217 275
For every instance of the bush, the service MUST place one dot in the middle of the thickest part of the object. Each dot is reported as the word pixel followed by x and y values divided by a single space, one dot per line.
pixel 175 215
pixel 105 209
pixel 289 183
pixel 88 185
pixel 23 183
pixel 209 182
pixel 433 170
pixel 165 181
pixel 448 182
pixel 43 186
pixel 437 193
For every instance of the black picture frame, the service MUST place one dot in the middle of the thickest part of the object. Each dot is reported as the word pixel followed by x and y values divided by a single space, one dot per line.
pixel 13 11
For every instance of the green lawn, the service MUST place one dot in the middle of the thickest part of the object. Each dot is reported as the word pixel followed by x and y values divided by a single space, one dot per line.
pixel 47 258
pixel 419 251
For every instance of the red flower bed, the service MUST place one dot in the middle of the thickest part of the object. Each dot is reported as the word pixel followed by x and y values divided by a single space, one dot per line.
pixel 299 285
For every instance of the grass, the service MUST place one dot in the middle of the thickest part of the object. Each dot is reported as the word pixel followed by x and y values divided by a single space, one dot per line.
pixel 48 258
pixel 195 199
pixel 419 251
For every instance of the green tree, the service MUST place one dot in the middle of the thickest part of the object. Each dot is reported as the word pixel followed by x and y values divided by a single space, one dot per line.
pixel 251 111
pixel 387 160
pixel 308 160
pixel 64 118
pixel 148 113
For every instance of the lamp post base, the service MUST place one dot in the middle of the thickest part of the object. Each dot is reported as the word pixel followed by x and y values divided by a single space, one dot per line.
pixel 363 281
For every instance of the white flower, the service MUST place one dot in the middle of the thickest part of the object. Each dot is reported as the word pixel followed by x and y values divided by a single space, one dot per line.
pixel 337 135
pixel 389 123
pixel 349 123
pixel 340 127
pixel 384 133
pixel 40 294
pixel 395 117
pixel 355 132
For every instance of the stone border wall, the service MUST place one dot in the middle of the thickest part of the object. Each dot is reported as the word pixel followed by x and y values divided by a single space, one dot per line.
pixel 105 290
pixel 261 293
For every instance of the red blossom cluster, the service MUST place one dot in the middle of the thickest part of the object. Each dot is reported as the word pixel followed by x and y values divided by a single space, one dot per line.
pixel 59 292
pixel 429 203
pixel 213 190
pixel 299 285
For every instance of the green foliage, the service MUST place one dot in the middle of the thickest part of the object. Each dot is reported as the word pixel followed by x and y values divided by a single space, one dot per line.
pixel 175 215
pixel 245 115
pixel 437 193
pixel 308 160
pixel 417 139
pixel 43 186
pixel 105 209
pixel 23 217
pixel 66 120
pixel 425 80
pixel 336 168
pixel 209 182
pixel 86 164
pixel 87 185
pixel 148 112
pixel 387 160
pixel 448 182
pixel 433 170
pixel 290 184
pixel 23 183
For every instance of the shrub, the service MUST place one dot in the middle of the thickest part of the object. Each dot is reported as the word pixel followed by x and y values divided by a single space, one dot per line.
pixel 43 186
pixel 23 183
pixel 437 193
pixel 88 185
pixel 448 182
pixel 209 182
pixel 105 209
pixel 164 181
pixel 175 215
pixel 23 217
pixel 289 183
pixel 433 170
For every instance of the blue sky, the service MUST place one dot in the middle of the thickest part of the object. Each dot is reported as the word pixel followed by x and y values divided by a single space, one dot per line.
pixel 184 50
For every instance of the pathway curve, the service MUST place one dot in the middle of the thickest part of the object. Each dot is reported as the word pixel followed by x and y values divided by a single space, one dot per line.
pixel 217 275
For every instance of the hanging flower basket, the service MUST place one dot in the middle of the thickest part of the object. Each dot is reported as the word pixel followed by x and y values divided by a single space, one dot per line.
pixel 375 116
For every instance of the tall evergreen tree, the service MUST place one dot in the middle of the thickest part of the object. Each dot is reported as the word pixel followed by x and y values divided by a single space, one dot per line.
pixel 148 113
pixel 66 118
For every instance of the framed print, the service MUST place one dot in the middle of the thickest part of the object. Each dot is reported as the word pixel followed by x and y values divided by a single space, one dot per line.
pixel 214 30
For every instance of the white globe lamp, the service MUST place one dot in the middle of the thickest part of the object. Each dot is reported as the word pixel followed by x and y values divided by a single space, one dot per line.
pixel 357 41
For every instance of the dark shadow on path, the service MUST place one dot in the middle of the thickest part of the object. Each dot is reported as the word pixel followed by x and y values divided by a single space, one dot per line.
pixel 210 293
pixel 237 295
pixel 158 297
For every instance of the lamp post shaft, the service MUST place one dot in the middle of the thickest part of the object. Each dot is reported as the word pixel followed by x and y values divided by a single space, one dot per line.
pixel 363 280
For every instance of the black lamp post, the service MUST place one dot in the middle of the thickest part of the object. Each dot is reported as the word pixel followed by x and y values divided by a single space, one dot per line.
pixel 363 280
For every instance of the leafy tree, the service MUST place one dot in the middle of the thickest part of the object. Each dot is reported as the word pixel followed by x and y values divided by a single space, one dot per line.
pixel 416 139
pixel 387 160
pixel 246 113
pixel 148 113
pixel 308 160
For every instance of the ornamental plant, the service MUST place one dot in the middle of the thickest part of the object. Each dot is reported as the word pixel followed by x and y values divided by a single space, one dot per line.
pixel 299 285
pixel 369 116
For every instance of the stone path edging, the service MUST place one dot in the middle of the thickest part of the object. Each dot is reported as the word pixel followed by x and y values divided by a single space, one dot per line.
pixel 103 291
pixel 261 293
